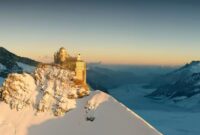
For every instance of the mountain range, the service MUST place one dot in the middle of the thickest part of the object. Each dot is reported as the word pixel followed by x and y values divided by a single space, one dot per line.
pixel 181 84
pixel 12 63
pixel 104 78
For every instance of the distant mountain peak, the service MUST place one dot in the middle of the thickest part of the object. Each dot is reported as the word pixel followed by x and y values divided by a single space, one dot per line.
pixel 192 63
pixel 30 101
pixel 13 62
pixel 183 82
pixel 1 47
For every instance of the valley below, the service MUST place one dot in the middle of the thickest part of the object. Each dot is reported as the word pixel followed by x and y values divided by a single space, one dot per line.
pixel 169 118
pixel 166 97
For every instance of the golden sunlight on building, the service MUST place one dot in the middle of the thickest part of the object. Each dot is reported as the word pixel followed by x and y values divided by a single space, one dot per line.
pixel 75 64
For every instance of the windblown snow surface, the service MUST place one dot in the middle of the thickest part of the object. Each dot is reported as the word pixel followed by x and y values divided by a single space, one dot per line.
pixel 44 105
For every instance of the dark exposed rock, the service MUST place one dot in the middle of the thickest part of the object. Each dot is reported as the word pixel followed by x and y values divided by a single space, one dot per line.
pixel 9 60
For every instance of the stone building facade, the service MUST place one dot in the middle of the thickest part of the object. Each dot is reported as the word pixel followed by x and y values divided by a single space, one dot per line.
pixel 72 63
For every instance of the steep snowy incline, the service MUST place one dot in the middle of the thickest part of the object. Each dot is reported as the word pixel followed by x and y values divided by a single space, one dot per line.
pixel 52 102
pixel 111 118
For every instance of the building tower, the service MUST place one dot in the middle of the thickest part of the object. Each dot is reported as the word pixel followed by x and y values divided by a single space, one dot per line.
pixel 61 56
pixel 75 64
pixel 80 69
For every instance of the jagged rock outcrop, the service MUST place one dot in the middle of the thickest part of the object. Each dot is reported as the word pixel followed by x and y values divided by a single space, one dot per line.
pixel 18 90
pixel 53 88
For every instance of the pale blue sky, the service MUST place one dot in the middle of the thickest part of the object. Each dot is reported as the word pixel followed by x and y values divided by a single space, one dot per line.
pixel 117 32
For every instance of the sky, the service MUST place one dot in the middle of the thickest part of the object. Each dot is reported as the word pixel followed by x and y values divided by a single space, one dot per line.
pixel 141 32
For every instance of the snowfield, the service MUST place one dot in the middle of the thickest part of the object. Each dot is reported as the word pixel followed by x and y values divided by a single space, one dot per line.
pixel 110 118
pixel 169 118
pixel 50 102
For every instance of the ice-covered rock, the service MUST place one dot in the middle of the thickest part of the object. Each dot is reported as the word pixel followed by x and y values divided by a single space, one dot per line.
pixel 93 104
pixel 96 100
pixel 53 89
pixel 18 90
pixel 59 89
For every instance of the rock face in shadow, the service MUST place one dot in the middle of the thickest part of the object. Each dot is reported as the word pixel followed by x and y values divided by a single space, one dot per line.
pixel 182 85
pixel 10 62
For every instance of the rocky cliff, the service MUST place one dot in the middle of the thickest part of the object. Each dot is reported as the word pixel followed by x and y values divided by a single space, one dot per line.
pixel 49 88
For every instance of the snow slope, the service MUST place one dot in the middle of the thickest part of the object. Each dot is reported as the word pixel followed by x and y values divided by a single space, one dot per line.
pixel 111 118
pixel 51 102
pixel 11 63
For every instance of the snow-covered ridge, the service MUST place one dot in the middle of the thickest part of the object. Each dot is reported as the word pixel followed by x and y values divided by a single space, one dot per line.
pixel 110 117
pixel 12 63
pixel 193 67
pixel 55 88
pixel 137 116
pixel 182 85
pixel 32 102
